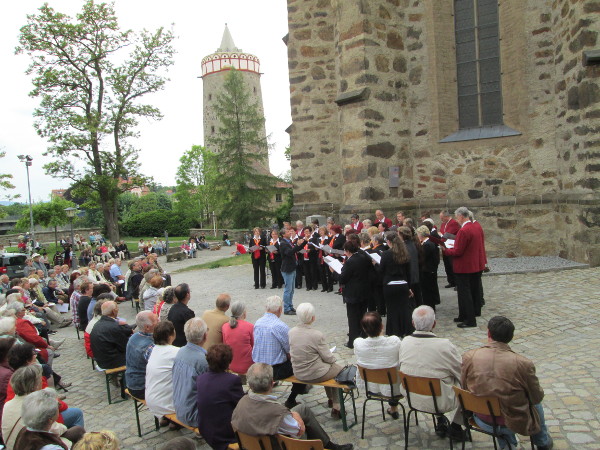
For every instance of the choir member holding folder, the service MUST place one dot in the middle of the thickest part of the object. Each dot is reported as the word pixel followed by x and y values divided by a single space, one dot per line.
pixel 259 261
pixel 377 248
pixel 275 260
pixel 395 270
pixel 324 272
pixel 310 256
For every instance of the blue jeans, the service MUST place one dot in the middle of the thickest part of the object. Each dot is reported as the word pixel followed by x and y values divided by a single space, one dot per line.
pixel 72 417
pixel 289 279
pixel 541 439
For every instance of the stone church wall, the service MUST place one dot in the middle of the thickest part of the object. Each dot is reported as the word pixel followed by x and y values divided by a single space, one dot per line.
pixel 373 87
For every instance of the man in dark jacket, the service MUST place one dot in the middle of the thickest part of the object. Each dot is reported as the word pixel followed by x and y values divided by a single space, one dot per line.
pixel 288 268
pixel 109 338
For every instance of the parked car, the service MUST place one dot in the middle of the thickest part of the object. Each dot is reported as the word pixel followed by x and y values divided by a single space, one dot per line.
pixel 12 264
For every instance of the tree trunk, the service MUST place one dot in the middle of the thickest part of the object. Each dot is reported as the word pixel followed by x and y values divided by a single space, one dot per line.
pixel 55 236
pixel 110 211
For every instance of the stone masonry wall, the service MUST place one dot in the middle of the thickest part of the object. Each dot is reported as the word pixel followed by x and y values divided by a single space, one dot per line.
pixel 400 54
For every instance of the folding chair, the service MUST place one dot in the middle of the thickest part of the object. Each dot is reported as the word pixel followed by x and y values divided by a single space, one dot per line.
pixel 248 442
pixel 288 443
pixel 421 386
pixel 487 406
pixel 387 376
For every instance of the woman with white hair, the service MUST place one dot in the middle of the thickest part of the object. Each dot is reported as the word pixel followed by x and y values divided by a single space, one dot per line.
pixel 312 360
pixel 239 335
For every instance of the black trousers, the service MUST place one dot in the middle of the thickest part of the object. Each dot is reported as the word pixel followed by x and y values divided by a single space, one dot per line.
pixel 311 274
pixel 275 267
pixel 299 271
pixel 284 370
pixel 430 289
pixel 260 275
pixel 468 287
pixel 355 312
pixel 449 270
pixel 326 277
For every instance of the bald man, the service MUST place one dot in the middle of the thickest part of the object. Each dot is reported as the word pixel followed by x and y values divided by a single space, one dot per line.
pixel 215 318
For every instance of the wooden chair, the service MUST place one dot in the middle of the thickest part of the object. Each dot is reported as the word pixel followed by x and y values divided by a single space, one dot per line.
pixel 288 443
pixel 431 387
pixel 247 442
pixel 138 404
pixel 387 376
pixel 488 406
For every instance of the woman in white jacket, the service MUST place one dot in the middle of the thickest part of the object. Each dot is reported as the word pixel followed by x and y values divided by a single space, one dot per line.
pixel 151 294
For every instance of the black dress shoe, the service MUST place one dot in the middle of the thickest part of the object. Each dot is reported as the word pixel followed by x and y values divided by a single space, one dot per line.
pixel 349 345
pixel 273 287
pixel 458 319
pixel 255 287
pixel 449 286
pixel 290 313
pixel 466 325
pixel 330 290
pixel 441 426
pixel 323 290
pixel 289 404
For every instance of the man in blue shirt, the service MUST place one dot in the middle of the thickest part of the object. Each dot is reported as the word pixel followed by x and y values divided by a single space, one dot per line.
pixel 137 353
pixel 271 346
pixel 189 363
pixel 116 276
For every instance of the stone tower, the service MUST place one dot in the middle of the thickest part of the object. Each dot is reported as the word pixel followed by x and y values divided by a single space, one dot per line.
pixel 215 68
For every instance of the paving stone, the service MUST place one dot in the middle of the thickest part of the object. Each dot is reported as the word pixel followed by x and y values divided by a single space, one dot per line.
pixel 549 311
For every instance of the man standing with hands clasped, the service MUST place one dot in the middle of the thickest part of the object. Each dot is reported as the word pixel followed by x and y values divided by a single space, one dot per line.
pixel 288 268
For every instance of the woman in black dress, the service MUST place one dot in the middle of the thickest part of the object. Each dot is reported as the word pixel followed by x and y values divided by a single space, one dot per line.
pixel 431 253
pixel 395 269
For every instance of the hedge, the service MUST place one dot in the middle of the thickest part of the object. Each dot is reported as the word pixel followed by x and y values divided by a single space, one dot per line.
pixel 155 223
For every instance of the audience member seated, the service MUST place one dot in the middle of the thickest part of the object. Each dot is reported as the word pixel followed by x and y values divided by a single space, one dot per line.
pixel 139 348
pixel 258 413
pixel 109 338
pixel 179 313
pixel 239 335
pixel 168 300
pixel 24 381
pixel 159 372
pixel 6 370
pixel 151 294
pixel 28 332
pixel 103 290
pixel 98 440
pixel 377 351
pixel 189 363
pixel 218 394
pixel 88 330
pixel 271 346
pixel 39 413
pixel 79 309
pixel 25 355
pixel 423 354
pixel 496 370
pixel 312 360
pixel 215 318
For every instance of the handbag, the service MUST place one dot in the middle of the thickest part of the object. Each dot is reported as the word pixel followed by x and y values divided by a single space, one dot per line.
pixel 347 376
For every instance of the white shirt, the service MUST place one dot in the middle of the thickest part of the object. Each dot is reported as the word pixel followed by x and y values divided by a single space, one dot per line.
pixel 159 380
pixel 380 352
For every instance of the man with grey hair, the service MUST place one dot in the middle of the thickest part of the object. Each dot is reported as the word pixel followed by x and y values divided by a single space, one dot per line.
pixel 189 363
pixel 137 353
pixel 272 346
pixel 468 262
pixel 258 413
pixel 38 413
pixel 423 354
pixel 109 339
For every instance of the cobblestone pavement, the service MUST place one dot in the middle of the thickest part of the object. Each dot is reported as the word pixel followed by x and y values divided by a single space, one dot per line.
pixel 555 314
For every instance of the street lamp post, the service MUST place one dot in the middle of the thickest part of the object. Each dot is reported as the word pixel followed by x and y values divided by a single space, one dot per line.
pixel 27 160
pixel 71 212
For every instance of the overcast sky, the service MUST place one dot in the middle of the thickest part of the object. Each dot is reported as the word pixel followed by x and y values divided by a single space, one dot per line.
pixel 256 26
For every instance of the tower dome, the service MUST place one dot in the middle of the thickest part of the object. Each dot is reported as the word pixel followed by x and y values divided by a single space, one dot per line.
pixel 228 56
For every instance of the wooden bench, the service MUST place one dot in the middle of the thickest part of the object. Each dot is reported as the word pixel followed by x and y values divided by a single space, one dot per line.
pixel 343 391
pixel 138 403
pixel 173 418
pixel 119 372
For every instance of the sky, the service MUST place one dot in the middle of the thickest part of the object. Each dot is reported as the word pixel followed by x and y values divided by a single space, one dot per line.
pixel 257 28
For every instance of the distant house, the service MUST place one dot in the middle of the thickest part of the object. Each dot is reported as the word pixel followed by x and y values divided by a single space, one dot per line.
pixel 57 193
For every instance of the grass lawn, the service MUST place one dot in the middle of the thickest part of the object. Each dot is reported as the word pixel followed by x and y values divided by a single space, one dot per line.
pixel 225 262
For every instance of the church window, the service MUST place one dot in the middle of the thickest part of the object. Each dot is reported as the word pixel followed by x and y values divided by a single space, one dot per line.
pixel 478 63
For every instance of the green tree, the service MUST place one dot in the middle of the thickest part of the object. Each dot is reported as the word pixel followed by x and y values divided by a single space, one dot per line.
pixel 244 184
pixel 90 77
pixel 47 214
pixel 196 176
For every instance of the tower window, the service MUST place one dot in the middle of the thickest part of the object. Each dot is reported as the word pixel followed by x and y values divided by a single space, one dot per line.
pixel 478 63
pixel 278 198
pixel 255 89
pixel 212 130
pixel 209 96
